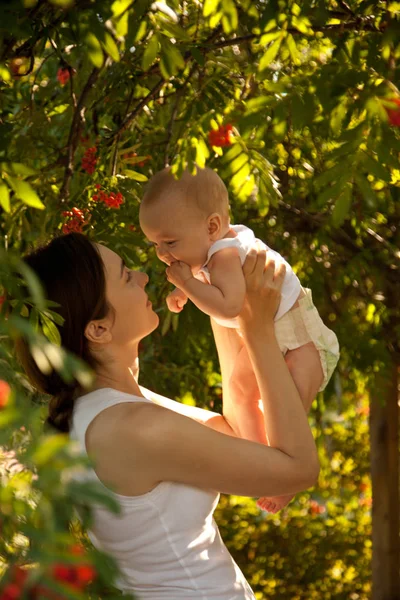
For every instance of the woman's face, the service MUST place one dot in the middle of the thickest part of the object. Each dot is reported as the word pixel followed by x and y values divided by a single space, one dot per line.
pixel 133 317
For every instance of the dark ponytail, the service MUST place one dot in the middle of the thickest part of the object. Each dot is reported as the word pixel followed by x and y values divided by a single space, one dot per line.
pixel 71 271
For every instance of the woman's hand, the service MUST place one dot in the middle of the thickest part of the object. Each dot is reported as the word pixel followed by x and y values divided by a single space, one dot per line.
pixel 263 290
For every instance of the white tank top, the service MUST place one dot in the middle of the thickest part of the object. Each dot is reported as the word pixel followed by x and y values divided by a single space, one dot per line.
pixel 165 542
pixel 244 241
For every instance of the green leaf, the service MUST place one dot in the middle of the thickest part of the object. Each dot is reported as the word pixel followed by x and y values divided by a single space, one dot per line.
pixel 175 31
pixel 95 51
pixel 210 7
pixel 375 168
pixel 49 448
pixel 33 283
pixel 166 323
pixel 230 16
pixel 329 176
pixel 4 197
pixel 342 206
pixel 294 53
pixel 56 317
pixel 150 53
pixel 337 116
pixel 134 175
pixel 119 6
pixel 198 56
pixel 241 176
pixel 16 168
pixel 111 47
pixel 171 59
pixel 50 330
pixel 25 192
pixel 366 191
pixel 269 37
pixel 270 55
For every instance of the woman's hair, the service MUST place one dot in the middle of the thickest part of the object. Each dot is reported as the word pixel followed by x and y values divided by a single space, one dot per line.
pixel 71 271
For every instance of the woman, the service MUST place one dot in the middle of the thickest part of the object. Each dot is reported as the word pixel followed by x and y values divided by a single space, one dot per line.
pixel 166 462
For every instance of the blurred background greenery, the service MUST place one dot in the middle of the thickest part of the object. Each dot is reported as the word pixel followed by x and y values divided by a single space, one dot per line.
pixel 295 105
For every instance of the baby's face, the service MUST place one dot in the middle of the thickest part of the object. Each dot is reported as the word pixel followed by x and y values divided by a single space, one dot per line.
pixel 178 232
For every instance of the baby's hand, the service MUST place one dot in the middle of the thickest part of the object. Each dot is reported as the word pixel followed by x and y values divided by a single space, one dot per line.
pixel 178 273
pixel 176 300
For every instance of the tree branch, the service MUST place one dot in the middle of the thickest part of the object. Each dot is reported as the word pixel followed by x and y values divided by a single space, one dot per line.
pixel 74 133
pixel 133 114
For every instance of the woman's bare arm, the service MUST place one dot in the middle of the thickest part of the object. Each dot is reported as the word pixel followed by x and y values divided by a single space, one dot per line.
pixel 205 417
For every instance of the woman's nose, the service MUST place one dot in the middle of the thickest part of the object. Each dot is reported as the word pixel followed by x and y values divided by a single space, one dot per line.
pixel 143 278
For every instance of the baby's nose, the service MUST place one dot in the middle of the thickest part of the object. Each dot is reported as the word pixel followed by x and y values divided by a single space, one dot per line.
pixel 162 254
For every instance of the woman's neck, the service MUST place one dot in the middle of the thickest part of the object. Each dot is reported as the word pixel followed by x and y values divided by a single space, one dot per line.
pixel 119 377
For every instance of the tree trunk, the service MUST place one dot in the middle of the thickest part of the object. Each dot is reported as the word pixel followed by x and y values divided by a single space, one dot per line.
pixel 384 427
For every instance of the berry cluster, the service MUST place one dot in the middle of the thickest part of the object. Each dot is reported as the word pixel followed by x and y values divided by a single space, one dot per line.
pixel 222 136
pixel 76 220
pixel 5 391
pixel 89 160
pixel 75 576
pixel 112 200
pixel 394 113
pixel 63 75
pixel 133 155
pixel 316 508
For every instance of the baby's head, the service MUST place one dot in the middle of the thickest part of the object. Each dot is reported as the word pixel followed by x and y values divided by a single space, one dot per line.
pixel 184 217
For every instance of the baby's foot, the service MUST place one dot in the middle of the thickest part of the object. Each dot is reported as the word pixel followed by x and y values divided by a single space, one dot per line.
pixel 274 503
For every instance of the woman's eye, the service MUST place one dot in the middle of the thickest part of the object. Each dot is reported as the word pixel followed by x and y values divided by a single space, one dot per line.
pixel 129 276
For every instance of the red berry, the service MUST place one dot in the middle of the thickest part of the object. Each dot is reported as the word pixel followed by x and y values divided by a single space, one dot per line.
pixel 97 186
pixel 85 573
pixel 221 136
pixel 5 392
pixel 394 113
pixel 63 75
pixel 61 572
pixel 11 592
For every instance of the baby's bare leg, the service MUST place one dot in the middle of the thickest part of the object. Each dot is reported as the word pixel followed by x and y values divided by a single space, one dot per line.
pixel 249 415
pixel 305 367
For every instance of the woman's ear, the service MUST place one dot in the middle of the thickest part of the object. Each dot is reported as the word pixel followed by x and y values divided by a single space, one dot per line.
pixel 98 332
pixel 214 225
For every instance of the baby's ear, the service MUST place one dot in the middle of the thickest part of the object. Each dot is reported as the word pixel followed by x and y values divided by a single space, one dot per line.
pixel 214 225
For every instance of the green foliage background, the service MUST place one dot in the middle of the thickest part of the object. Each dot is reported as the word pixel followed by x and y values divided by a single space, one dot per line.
pixel 313 169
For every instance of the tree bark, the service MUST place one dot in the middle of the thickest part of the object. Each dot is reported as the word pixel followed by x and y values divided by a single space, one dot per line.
pixel 384 428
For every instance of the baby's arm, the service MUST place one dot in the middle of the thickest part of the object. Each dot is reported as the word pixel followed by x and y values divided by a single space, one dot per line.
pixel 224 297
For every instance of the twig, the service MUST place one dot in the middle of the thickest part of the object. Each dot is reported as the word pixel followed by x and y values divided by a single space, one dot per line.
pixel 170 127
pixel 34 81
pixel 132 115
pixel 74 133
pixel 115 157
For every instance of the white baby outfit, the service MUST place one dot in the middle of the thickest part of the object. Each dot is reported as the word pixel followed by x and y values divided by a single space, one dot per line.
pixel 293 328
pixel 165 542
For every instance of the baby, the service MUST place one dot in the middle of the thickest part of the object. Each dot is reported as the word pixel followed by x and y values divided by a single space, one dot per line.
pixel 187 220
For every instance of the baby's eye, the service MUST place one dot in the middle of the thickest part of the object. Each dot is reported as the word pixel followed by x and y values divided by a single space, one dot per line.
pixel 170 243
pixel 129 277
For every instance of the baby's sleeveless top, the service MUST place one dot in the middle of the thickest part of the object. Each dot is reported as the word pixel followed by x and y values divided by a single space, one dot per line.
pixel 244 241
pixel 166 542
